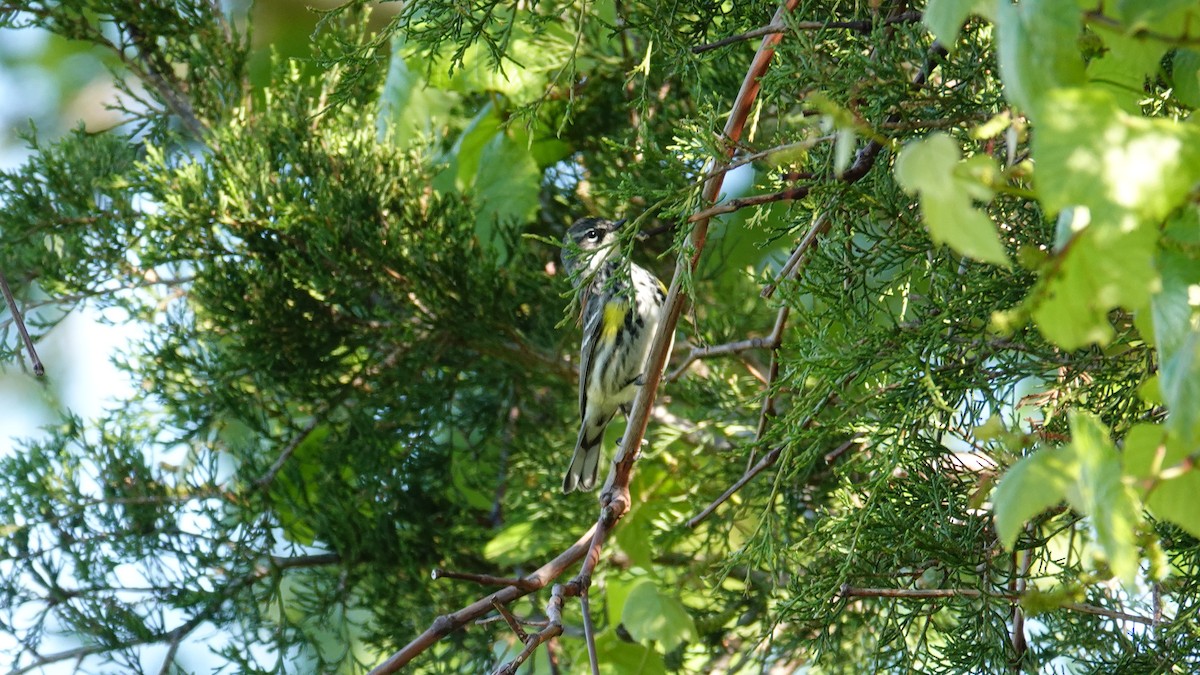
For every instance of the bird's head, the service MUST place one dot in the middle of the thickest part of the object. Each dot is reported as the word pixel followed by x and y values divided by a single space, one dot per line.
pixel 589 243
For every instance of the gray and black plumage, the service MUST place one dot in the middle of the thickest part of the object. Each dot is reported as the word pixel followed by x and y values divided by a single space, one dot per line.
pixel 622 305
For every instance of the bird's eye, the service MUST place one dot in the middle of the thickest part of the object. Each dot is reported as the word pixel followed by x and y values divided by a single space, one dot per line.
pixel 592 234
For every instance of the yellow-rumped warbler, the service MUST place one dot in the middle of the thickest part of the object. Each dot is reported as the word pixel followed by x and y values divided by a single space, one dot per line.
pixel 622 305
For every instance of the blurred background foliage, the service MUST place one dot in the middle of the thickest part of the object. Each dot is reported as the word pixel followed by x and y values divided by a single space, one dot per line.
pixel 327 236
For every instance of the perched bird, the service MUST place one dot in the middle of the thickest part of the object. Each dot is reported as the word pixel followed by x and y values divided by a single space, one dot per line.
pixel 622 304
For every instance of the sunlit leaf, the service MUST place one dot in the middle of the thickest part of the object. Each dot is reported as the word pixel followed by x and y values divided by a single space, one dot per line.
pixel 931 168
pixel 651 615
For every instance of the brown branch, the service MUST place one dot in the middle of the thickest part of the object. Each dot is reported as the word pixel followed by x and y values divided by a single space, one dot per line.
pixel 513 624
pixel 614 498
pixel 797 192
pixel 481 579
pixel 552 630
pixel 38 369
pixel 789 269
pixel 768 407
pixel 448 623
pixel 698 353
pixel 767 460
pixel 848 591
pixel 616 491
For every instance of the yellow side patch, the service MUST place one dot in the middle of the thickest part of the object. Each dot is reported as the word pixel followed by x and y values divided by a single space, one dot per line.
pixel 614 316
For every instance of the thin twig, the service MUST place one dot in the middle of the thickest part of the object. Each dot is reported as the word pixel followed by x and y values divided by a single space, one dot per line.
pixel 589 631
pixel 865 158
pixel 286 453
pixel 1022 561
pixel 38 369
pixel 179 633
pixel 767 460
pixel 768 407
pixel 743 160
pixel 552 630
pixel 320 415
pixel 862 26
pixel 819 226
pixel 540 623
pixel 513 624
pixel 831 456
pixel 770 458
pixel 797 192
pixel 710 351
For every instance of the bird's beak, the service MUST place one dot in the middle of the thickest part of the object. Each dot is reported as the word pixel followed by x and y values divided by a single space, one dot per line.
pixel 619 224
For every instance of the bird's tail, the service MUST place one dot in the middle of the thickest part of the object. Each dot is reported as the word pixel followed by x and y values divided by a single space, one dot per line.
pixel 581 475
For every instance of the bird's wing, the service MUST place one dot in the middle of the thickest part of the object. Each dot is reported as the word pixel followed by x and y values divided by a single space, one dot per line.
pixel 591 339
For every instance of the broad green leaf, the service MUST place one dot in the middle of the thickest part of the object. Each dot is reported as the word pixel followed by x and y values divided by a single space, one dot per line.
pixel 1185 76
pixel 1101 269
pixel 651 615
pixel 945 18
pixel 843 149
pixel 297 487
pixel 1169 17
pixel 1121 166
pixel 408 108
pixel 619 657
pixel 506 192
pixel 462 468
pixel 1099 492
pixel 1176 312
pixel 1184 226
pixel 931 168
pixel 511 545
pixel 522 75
pixel 1087 473
pixel 469 145
pixel 1120 175
pixel 616 591
pixel 1036 49
pixel 1029 487
pixel 634 535
pixel 1149 449
pixel 1123 67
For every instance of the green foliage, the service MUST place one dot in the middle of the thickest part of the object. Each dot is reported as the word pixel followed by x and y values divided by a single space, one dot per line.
pixel 1087 474
pixel 931 167
pixel 350 372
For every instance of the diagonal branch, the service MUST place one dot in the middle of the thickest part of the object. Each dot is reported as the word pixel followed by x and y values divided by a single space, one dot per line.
pixel 614 498
pixel 38 368
pixel 863 26
pixel 448 623
pixel 616 491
